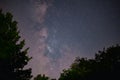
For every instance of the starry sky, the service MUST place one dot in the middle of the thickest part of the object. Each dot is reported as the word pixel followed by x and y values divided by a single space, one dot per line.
pixel 57 31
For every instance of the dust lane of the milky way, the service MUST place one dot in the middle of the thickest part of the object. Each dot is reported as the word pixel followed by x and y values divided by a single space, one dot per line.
pixel 57 31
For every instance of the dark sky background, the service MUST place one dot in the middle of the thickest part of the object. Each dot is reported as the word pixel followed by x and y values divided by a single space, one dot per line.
pixel 57 31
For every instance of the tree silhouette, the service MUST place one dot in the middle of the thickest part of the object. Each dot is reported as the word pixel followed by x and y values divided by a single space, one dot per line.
pixel 40 77
pixel 13 57
pixel 105 65
pixel 108 63
pixel 78 71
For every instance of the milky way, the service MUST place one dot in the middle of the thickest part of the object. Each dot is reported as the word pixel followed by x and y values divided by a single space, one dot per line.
pixel 57 31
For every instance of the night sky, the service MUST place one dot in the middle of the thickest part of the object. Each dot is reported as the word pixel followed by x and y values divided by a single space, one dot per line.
pixel 57 31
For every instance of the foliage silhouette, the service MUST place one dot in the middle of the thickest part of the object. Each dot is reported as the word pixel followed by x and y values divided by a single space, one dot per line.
pixel 53 79
pixel 105 66
pixel 40 77
pixel 13 57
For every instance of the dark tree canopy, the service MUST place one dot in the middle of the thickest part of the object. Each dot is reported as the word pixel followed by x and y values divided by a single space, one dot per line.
pixel 41 77
pixel 105 66
pixel 13 57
